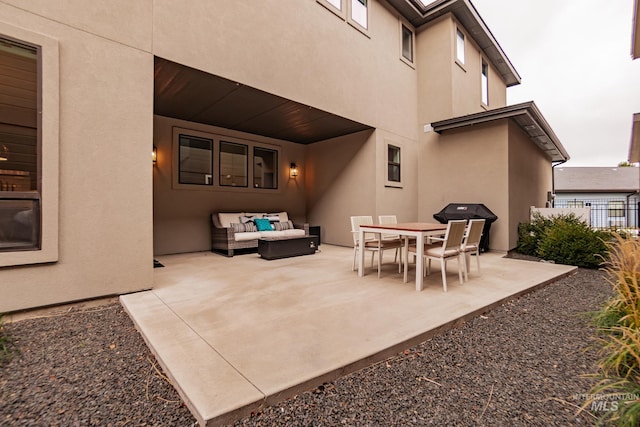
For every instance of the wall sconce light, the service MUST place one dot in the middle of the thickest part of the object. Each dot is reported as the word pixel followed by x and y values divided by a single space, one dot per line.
pixel 293 170
pixel 154 155
pixel 4 153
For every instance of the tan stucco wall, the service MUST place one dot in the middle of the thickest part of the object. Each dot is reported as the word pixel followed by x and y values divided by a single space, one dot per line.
pixel 468 166
pixel 530 178
pixel 333 67
pixel 105 135
pixel 446 87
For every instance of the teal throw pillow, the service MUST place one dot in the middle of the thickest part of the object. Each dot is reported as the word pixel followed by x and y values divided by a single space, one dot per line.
pixel 263 224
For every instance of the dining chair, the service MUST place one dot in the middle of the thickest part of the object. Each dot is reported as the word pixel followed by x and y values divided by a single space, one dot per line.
pixel 447 249
pixel 374 245
pixel 392 219
pixel 471 244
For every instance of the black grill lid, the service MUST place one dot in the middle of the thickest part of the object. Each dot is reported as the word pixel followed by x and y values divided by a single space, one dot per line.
pixel 465 211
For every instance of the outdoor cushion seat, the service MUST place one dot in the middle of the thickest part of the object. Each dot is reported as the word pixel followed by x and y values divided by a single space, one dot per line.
pixel 238 230
pixel 247 235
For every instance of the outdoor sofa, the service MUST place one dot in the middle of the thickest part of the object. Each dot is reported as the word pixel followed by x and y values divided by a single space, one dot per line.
pixel 241 230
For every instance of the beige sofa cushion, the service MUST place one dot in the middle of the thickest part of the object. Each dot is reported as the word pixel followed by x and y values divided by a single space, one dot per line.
pixel 293 232
pixel 247 235
pixel 227 218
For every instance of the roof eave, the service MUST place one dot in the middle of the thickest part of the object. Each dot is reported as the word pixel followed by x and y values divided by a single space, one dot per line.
pixel 526 115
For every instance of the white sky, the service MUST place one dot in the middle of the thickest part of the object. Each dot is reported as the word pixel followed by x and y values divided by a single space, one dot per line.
pixel 574 58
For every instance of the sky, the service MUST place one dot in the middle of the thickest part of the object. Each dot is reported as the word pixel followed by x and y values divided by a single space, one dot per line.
pixel 574 59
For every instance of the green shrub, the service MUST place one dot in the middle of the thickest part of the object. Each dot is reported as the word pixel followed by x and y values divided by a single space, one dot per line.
pixel 530 233
pixel 564 239
pixel 573 243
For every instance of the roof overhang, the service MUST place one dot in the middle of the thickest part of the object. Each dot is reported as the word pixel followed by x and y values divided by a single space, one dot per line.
pixel 634 148
pixel 419 14
pixel 184 93
pixel 526 115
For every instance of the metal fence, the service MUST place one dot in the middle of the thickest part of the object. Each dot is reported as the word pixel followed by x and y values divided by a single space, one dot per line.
pixel 609 213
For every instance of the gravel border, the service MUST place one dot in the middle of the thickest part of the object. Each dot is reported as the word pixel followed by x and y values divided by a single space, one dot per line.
pixel 523 363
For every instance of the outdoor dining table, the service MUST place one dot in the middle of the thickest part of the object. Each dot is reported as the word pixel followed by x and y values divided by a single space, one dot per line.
pixel 419 230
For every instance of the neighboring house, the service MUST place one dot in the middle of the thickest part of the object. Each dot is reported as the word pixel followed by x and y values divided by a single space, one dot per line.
pixel 610 192
pixel 385 107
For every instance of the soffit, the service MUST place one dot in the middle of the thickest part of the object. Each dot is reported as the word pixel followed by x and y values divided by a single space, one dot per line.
pixel 419 14
pixel 185 93
pixel 526 115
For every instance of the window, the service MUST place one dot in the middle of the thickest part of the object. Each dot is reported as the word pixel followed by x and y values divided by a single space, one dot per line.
pixel 265 168
pixel 20 152
pixel 459 46
pixel 407 43
pixel 335 3
pixel 615 209
pixel 233 164
pixel 195 157
pixel 485 83
pixel 359 12
pixel 393 164
pixel 575 204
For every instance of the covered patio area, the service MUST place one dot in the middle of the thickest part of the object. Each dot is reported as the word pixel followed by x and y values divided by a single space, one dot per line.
pixel 237 333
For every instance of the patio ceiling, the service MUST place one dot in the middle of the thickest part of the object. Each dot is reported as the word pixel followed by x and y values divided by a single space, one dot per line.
pixel 188 94
pixel 526 115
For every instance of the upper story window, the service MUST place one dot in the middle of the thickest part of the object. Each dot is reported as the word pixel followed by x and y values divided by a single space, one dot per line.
pixel 335 3
pixel 459 46
pixel 484 83
pixel 20 148
pixel 407 43
pixel 195 160
pixel 358 13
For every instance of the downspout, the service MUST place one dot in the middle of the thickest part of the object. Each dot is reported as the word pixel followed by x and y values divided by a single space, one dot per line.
pixel 553 181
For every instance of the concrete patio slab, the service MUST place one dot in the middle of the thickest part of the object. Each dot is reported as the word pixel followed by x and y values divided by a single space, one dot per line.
pixel 237 333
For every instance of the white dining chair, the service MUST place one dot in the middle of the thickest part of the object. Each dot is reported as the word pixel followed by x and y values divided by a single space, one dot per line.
pixel 374 245
pixel 392 219
pixel 447 249
pixel 471 244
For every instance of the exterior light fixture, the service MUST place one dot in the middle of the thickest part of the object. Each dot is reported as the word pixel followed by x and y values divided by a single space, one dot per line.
pixel 4 153
pixel 293 170
pixel 154 155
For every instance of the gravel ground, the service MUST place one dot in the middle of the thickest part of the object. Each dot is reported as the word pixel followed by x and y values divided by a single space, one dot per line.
pixel 520 364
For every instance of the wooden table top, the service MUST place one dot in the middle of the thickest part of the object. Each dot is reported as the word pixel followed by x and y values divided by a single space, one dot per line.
pixel 410 226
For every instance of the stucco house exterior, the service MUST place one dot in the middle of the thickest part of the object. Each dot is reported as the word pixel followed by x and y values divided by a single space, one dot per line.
pixel 611 193
pixel 385 107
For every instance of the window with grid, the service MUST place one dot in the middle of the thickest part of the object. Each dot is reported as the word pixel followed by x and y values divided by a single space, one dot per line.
pixel 20 151
pixel 615 209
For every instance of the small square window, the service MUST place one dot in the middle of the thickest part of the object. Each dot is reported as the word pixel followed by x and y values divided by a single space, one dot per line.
pixel 407 43
pixel 459 46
